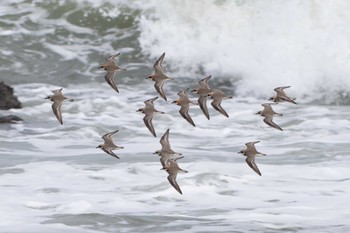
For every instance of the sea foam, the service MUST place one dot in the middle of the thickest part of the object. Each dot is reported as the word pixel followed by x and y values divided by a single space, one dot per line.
pixel 257 44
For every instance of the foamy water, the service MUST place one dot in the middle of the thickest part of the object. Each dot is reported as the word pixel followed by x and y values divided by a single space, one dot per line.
pixel 258 44
pixel 53 179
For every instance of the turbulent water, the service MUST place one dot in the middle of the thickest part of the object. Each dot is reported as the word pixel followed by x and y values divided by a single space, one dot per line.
pixel 52 177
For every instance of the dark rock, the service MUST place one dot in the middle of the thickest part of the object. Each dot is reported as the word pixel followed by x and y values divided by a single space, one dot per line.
pixel 7 99
pixel 10 119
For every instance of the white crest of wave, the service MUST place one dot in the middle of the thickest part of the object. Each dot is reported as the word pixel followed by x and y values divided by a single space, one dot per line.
pixel 260 44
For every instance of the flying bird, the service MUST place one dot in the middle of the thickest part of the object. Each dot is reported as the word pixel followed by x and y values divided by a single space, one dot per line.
pixel 111 67
pixel 172 168
pixel 281 95
pixel 203 91
pixel 57 98
pixel 149 111
pixel 109 145
pixel 184 102
pixel 166 152
pixel 268 114
pixel 250 152
pixel 218 96
pixel 159 77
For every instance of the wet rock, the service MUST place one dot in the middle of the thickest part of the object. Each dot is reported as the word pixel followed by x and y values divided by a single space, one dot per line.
pixel 7 99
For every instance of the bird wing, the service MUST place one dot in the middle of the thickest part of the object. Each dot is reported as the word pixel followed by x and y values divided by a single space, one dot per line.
pixel 109 77
pixel 216 103
pixel 159 88
pixel 164 141
pixel 56 108
pixel 288 99
pixel 268 121
pixel 149 102
pixel 158 64
pixel 184 113
pixel 204 81
pixel 111 58
pixel 110 152
pixel 148 122
pixel 107 137
pixel 267 108
pixel 202 101
pixel 251 163
pixel 281 88
pixel 183 94
pixel 172 181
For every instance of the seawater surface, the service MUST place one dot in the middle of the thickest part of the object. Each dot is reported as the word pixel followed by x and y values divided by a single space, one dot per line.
pixel 53 178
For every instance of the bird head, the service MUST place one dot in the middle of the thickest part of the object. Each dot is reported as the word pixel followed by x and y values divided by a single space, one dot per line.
pixel 157 152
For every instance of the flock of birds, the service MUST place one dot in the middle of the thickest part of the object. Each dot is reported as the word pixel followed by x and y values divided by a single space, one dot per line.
pixel 168 157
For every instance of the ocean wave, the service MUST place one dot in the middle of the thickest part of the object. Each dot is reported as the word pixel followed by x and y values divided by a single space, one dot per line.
pixel 249 47
pixel 257 45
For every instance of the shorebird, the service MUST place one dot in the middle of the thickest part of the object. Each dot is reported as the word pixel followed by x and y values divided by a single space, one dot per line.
pixel 109 145
pixel 250 152
pixel 149 111
pixel 166 152
pixel 268 114
pixel 184 102
pixel 218 96
pixel 281 95
pixel 111 67
pixel 159 77
pixel 57 98
pixel 203 90
pixel 172 168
